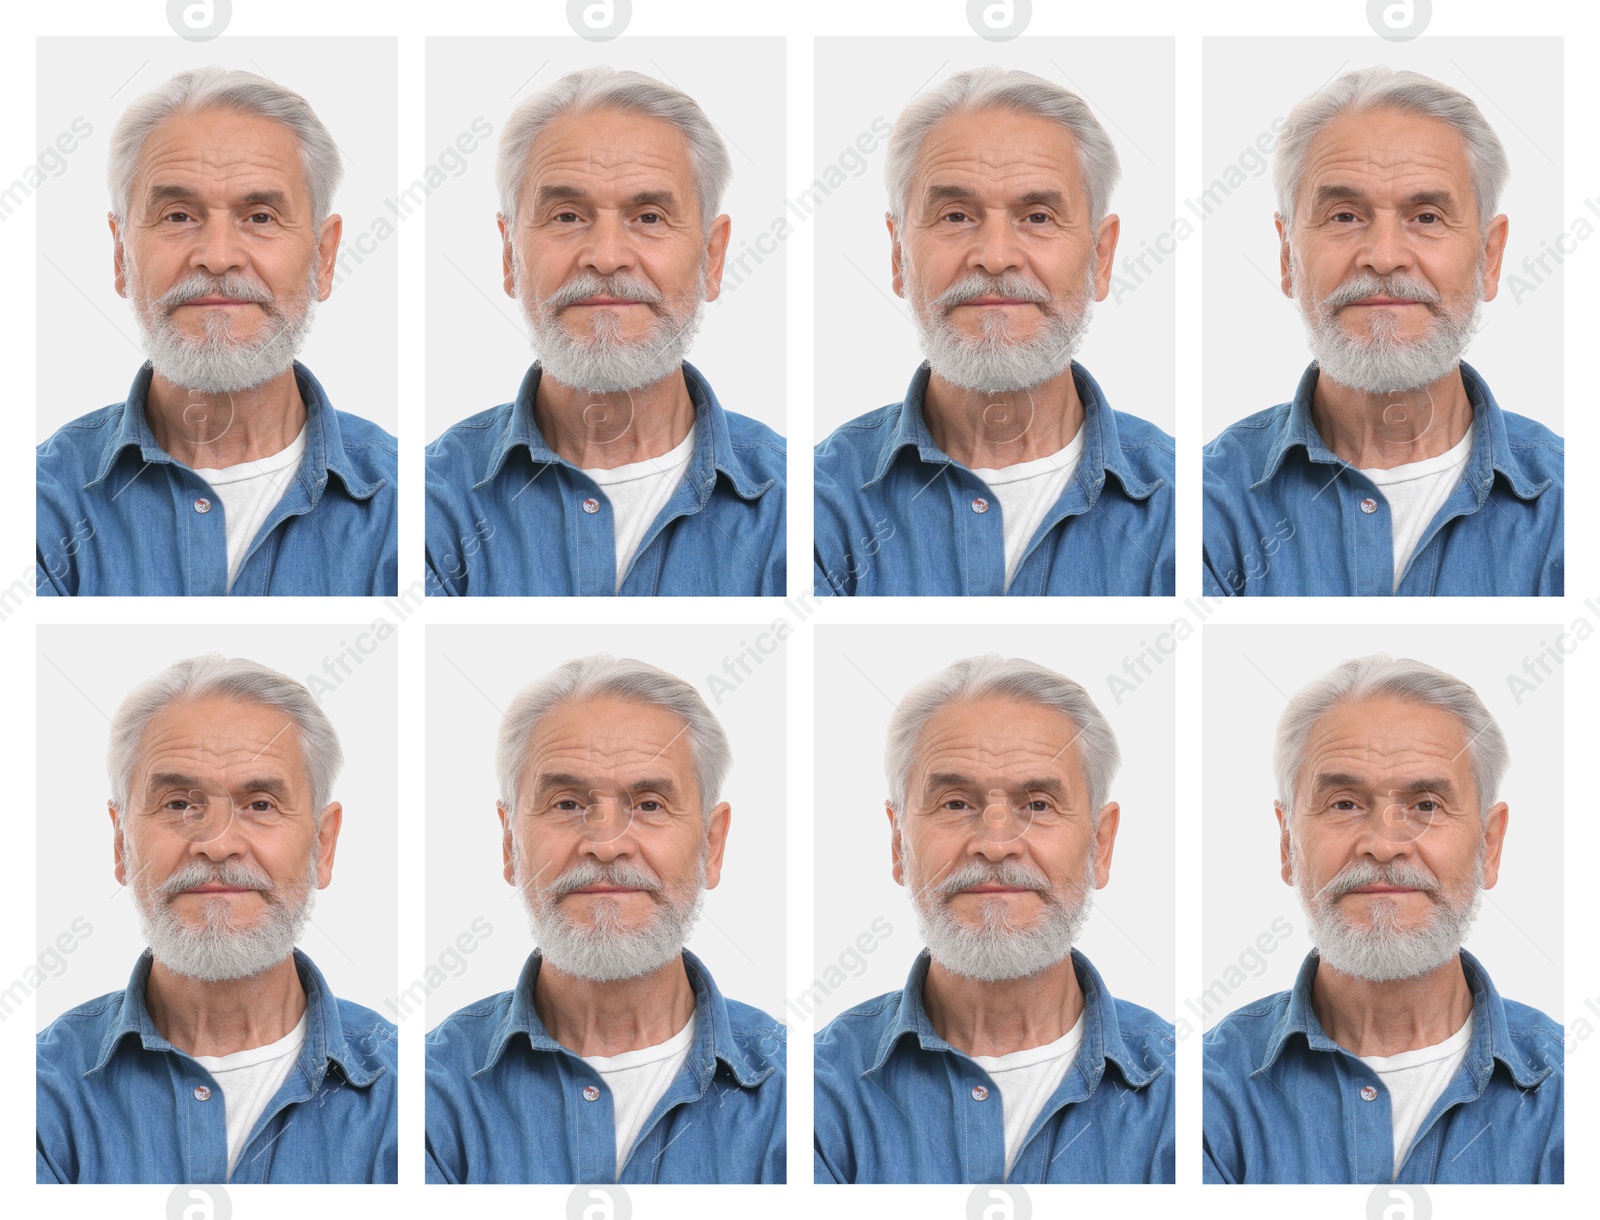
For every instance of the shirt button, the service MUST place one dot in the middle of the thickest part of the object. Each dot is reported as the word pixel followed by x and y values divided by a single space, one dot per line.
pixel 202 505
pixel 590 1093
pixel 979 1093
pixel 1368 1093
pixel 980 505
pixel 591 505
pixel 1369 505
pixel 201 1093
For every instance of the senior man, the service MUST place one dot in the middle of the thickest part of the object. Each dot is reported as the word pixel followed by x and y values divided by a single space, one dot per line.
pixel 226 470
pixel 227 1058
pixel 615 471
pixel 1005 1058
pixel 1393 471
pixel 615 1058
pixel 1393 1058
pixel 1004 470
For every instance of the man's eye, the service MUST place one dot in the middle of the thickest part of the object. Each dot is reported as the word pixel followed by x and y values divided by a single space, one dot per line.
pixel 177 216
pixel 956 215
pixel 264 217
pixel 1428 806
pixel 1344 804
pixel 1038 806
pixel 566 216
pixel 1041 217
pixel 1428 217
pixel 650 806
pixel 956 803
pixel 568 805
pixel 177 804
pixel 260 806
pixel 1344 215
pixel 650 217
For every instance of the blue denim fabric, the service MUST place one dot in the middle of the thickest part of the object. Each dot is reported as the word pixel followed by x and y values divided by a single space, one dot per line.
pixel 117 516
pixel 1283 1100
pixel 116 1100
pixel 505 1099
pixel 506 516
pixel 894 1100
pixel 1283 513
pixel 895 515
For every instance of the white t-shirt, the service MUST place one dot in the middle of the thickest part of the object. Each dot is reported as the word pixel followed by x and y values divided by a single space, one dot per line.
pixel 1027 491
pixel 249 1079
pixel 637 1079
pixel 1415 1079
pixel 1415 492
pixel 638 492
pixel 1026 1079
pixel 248 492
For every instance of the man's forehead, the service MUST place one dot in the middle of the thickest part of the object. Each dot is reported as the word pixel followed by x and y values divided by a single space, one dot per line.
pixel 1039 745
pixel 221 736
pixel 1404 150
pixel 1382 740
pixel 1001 147
pixel 607 147
pixel 609 735
pixel 222 146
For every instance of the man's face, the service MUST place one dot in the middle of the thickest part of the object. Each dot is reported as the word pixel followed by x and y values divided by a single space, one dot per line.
pixel 218 254
pixel 998 843
pixel 608 845
pixel 220 843
pixel 1388 258
pixel 1386 848
pixel 996 252
pixel 610 257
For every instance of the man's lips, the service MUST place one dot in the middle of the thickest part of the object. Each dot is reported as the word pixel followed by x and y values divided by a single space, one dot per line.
pixel 217 301
pixel 607 301
pixel 220 889
pixel 995 301
pixel 997 889
pixel 1385 889
pixel 1387 301
pixel 607 889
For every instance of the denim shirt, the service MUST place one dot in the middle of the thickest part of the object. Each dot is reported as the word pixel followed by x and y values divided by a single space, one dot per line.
pixel 118 515
pixel 1285 1103
pixel 119 1103
pixel 508 1103
pixel 896 515
pixel 507 516
pixel 895 1102
pixel 1284 515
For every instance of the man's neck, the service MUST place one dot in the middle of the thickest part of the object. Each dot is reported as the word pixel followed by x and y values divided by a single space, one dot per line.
pixel 985 430
pixel 604 431
pixel 220 1018
pixel 1368 1018
pixel 590 1018
pixel 211 431
pixel 1382 431
pixel 981 1018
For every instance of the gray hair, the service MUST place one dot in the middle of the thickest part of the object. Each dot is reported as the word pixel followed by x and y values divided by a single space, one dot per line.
pixel 601 676
pixel 214 88
pixel 1378 677
pixel 1383 88
pixel 215 676
pixel 604 88
pixel 990 88
pixel 994 676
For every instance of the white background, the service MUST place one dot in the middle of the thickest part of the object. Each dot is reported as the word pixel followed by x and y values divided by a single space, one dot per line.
pixel 1255 342
pixel 88 338
pixel 478 359
pixel 866 342
pixel 862 673
pixel 84 673
pixel 1252 673
pixel 19 613
pixel 473 675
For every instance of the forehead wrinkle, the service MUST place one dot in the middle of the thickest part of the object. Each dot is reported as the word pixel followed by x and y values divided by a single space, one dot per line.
pixel 209 158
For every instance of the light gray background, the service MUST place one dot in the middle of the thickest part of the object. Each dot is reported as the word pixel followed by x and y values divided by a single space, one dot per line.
pixel 862 673
pixel 866 343
pixel 84 673
pixel 473 674
pixel 1250 673
pixel 477 360
pixel 1255 346
pixel 89 344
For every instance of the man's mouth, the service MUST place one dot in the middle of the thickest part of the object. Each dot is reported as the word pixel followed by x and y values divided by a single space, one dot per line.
pixel 1385 889
pixel 217 888
pixel 993 300
pixel 607 889
pixel 215 300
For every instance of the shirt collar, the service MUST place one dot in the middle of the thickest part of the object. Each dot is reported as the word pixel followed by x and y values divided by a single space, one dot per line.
pixel 325 1035
pixel 1102 446
pixel 713 447
pixel 1491 451
pixel 325 450
pixel 1102 1032
pixel 714 1038
pixel 1491 1034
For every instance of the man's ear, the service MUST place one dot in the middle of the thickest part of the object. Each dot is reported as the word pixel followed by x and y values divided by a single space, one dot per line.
pixel 1285 259
pixel 508 273
pixel 896 257
pixel 896 846
pixel 119 847
pixel 507 848
pixel 1285 851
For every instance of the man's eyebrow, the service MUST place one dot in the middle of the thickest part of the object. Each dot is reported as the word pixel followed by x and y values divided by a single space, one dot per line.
pixel 552 781
pixel 163 192
pixel 1341 779
pixel 170 779
pixel 266 783
pixel 948 779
